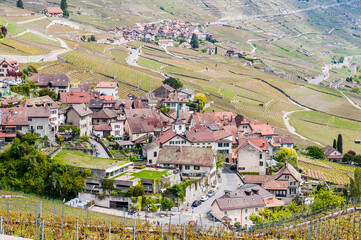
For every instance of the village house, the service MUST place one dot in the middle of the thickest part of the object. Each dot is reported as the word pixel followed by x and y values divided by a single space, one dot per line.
pixel 46 102
pixel 192 162
pixel 104 116
pixel 163 91
pixel 38 118
pixel 186 93
pixel 240 204
pixel 7 66
pixel 137 128
pixel 251 155
pixel 166 43
pixel 218 119
pixel 55 82
pixel 282 142
pixel 284 183
pixel 174 101
pixel 75 98
pixel 12 120
pixel 80 116
pixel 108 89
pixel 242 125
pixel 332 154
pixel 53 12
pixel 262 130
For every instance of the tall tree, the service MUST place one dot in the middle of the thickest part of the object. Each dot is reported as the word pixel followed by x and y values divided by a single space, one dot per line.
pixel 20 4
pixel 194 41
pixel 334 144
pixel 63 5
pixel 216 51
pixel 355 185
pixel 173 82
pixel 339 143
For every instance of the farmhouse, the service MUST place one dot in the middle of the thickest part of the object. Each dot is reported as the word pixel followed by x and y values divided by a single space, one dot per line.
pixel 81 116
pixel 332 154
pixel 55 82
pixel 108 89
pixel 7 66
pixel 166 42
pixel 53 12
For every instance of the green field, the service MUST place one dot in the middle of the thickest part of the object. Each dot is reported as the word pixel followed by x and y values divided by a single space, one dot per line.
pixel 81 159
pixel 149 174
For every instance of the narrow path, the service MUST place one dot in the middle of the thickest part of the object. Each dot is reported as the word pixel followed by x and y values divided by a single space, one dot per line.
pixel 101 150
pixel 169 53
pixel 133 57
pixel 31 20
pixel 350 101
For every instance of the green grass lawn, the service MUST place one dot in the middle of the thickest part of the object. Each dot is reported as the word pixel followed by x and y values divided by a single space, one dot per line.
pixel 81 159
pixel 149 174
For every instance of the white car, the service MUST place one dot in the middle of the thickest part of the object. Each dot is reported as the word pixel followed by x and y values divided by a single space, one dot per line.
pixel 204 198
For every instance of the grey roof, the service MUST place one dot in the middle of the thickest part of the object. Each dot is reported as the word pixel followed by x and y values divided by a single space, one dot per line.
pixel 139 125
pixel 187 91
pixel 56 80
pixel 123 143
pixel 82 110
pixel 328 150
pixel 38 112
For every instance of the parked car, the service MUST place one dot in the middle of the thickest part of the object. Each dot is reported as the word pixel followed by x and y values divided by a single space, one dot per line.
pixel 204 198
pixel 196 203
pixel 211 193
pixel 233 167
pixel 132 211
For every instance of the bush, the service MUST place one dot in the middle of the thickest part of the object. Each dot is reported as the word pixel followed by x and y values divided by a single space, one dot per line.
pixel 315 152
pixel 249 173
pixel 140 167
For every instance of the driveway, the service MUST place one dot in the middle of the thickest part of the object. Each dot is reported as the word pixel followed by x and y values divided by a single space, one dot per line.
pixel 101 150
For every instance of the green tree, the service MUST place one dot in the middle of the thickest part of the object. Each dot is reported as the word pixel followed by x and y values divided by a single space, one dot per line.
pixel 289 155
pixel 19 4
pixel 355 185
pixel 348 158
pixel 342 59
pixel 334 144
pixel 107 185
pixel 339 143
pixel 173 82
pixel 64 7
pixel 48 92
pixel 216 51
pixel 358 160
pixel 356 90
pixel 29 138
pixel 194 41
pixel 315 152
pixel 167 204
pixel 325 198
pixel 136 191
pixel 92 38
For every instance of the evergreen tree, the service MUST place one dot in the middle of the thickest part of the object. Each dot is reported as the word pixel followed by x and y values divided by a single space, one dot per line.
pixel 216 51
pixel 334 144
pixel 20 4
pixel 339 143
pixel 194 41
pixel 63 5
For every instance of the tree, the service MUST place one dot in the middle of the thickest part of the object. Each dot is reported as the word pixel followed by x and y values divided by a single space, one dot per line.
pixel 216 51
pixel 325 198
pixel 356 90
pixel 315 152
pixel 334 144
pixel 348 158
pixel 3 32
pixel 64 7
pixel 167 204
pixel 289 155
pixel 48 92
pixel 352 152
pixel 201 97
pixel 20 4
pixel 136 191
pixel 92 38
pixel 194 41
pixel 107 185
pixel 173 82
pixel 339 143
pixel 358 159
pixel 342 59
pixel 355 185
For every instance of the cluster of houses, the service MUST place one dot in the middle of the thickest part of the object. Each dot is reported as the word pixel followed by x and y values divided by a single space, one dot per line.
pixel 237 54
pixel 166 31
pixel 187 142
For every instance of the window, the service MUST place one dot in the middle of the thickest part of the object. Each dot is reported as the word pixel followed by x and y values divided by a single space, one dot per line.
pixel 30 119
pixel 180 127
pixel 245 210
pixel 117 133
pixel 196 168
pixel 260 156
pixel 226 145
pixel 116 126
pixel 187 167
pixel 261 163
pixel 256 209
pixel 155 154
pixel 287 177
pixel 220 144
pixel 242 168
pixel 225 213
pixel 245 218
pixel 235 212
pixel 235 219
pixel 39 127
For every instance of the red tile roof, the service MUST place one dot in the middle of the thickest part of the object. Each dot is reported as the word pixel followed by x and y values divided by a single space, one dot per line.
pixel 107 97
pixel 54 10
pixel 263 129
pixel 200 134
pixel 103 127
pixel 259 143
pixel 107 85
pixel 165 137
pixel 213 118
pixel 46 79
pixel 74 97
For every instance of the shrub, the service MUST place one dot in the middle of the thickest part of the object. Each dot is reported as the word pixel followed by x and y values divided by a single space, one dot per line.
pixel 140 167
pixel 315 152
pixel 249 173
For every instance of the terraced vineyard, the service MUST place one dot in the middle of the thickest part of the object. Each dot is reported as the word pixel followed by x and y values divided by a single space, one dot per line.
pixel 326 171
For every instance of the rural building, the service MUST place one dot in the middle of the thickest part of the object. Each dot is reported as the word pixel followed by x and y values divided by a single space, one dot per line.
pixel 166 42
pixel 81 116
pixel 75 98
pixel 108 89
pixel 251 155
pixel 55 82
pixel 53 12
pixel 6 66
pixel 332 154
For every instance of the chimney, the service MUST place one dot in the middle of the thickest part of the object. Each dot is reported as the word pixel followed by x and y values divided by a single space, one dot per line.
pixel 247 192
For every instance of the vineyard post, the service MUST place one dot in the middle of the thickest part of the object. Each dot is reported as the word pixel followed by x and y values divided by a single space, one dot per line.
pixel 36 220
pixel 124 216
pixel 354 221
pixel 40 209
pixel 195 231
pixel 214 230
pixel 77 229
pixel 161 236
pixel 110 228
pixel 87 217
pixel 201 221
pixel 310 229
pixel 1 225
pixel 170 221
pixel 7 215
pixel 62 220
pixel 179 218
pixel 54 212
pixel 134 230
pixel 42 229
